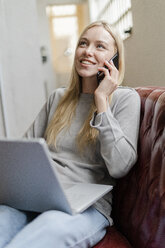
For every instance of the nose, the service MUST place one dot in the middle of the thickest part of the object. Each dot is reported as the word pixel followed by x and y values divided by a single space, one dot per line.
pixel 89 51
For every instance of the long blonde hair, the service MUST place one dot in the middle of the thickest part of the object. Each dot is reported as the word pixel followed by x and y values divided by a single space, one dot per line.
pixel 67 105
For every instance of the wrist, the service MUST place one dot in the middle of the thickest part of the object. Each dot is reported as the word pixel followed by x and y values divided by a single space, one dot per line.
pixel 100 102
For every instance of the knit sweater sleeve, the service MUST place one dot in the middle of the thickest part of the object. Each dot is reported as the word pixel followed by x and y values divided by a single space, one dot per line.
pixel 38 127
pixel 118 132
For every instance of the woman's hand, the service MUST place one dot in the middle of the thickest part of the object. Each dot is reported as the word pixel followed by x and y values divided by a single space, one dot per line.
pixel 107 86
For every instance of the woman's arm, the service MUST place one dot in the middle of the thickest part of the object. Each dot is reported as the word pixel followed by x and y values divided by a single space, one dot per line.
pixel 38 127
pixel 118 131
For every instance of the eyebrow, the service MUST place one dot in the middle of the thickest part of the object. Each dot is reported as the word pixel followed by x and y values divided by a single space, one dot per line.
pixel 102 41
pixel 97 41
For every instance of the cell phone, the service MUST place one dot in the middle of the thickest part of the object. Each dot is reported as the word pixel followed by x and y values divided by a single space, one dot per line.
pixel 100 74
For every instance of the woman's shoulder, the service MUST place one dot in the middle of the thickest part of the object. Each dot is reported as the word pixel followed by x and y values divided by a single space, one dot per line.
pixel 124 90
pixel 125 94
pixel 57 94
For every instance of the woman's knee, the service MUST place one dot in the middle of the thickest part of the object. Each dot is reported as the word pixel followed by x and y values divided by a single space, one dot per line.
pixel 11 222
pixel 7 209
pixel 53 220
pixel 9 212
pixel 12 217
pixel 57 227
pixel 55 224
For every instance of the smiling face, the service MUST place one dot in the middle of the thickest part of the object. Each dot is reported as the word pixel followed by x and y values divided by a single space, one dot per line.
pixel 95 46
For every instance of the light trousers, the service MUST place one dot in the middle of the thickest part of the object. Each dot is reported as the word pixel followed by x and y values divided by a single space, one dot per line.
pixel 51 229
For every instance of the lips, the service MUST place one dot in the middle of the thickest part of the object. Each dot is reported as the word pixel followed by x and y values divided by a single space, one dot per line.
pixel 87 62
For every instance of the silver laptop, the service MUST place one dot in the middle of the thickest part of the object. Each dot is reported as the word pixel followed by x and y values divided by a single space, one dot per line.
pixel 29 181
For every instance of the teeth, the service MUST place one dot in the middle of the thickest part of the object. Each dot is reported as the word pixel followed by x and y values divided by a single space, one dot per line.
pixel 86 62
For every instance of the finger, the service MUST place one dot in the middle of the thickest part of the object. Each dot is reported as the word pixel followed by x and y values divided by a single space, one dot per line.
pixel 112 68
pixel 110 65
pixel 104 70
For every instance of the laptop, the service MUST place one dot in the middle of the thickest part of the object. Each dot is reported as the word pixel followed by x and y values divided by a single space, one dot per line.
pixel 29 180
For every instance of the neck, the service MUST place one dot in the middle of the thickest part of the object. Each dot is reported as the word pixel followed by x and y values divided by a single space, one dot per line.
pixel 89 85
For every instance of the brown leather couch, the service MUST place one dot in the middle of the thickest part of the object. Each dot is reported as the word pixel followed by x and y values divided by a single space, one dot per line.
pixel 139 198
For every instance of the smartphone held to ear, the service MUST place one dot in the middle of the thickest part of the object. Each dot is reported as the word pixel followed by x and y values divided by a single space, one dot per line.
pixel 115 59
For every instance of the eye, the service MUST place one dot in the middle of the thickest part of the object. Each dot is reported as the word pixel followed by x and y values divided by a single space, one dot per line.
pixel 101 46
pixel 82 43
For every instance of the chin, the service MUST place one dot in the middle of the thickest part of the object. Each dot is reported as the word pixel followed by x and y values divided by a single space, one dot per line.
pixel 86 74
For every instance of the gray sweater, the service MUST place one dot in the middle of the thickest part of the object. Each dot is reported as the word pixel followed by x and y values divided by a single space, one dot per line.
pixel 116 148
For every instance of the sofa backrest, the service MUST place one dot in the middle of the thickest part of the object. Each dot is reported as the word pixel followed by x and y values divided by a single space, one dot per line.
pixel 139 198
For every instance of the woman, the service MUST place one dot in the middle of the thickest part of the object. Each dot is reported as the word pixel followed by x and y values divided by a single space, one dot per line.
pixel 92 132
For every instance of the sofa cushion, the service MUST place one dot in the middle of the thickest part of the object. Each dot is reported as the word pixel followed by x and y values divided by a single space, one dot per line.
pixel 113 239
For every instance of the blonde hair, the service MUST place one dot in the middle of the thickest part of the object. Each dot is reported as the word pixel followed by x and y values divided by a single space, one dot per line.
pixel 67 105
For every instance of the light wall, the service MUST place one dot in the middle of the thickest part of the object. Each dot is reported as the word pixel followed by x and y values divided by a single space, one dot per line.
pixel 19 54
pixel 48 75
pixel 24 78
pixel 145 52
pixel 63 41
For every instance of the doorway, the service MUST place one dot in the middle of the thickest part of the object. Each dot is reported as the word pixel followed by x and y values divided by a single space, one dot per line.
pixel 65 23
